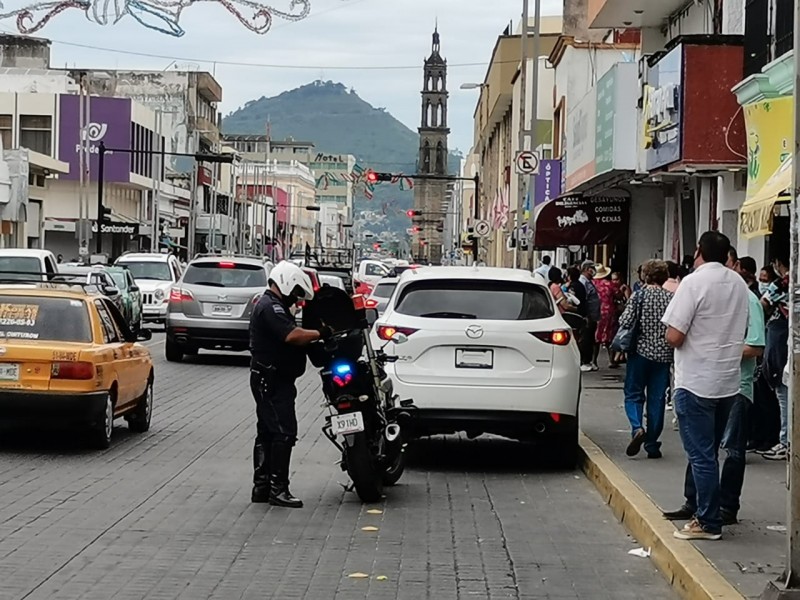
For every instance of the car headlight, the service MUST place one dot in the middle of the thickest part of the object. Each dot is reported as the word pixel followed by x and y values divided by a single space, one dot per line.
pixel 159 294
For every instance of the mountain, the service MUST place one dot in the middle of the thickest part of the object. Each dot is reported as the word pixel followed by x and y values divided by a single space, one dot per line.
pixel 338 121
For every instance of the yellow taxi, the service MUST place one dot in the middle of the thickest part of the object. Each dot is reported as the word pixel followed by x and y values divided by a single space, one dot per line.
pixel 68 356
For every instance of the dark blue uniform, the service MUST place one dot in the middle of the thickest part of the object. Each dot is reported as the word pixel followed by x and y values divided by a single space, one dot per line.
pixel 274 367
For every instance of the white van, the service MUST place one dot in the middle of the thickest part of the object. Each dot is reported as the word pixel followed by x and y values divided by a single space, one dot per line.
pixel 16 262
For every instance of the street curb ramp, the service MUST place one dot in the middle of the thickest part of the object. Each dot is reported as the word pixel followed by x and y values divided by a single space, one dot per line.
pixel 688 571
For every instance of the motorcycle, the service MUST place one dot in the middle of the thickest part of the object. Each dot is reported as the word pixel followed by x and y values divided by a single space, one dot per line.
pixel 365 416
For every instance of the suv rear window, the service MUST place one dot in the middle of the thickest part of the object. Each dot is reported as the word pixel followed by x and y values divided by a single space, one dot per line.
pixel 475 299
pixel 19 265
pixel 51 319
pixel 384 290
pixel 226 275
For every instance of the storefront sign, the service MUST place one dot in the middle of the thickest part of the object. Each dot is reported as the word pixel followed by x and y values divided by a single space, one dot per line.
pixel 581 129
pixel 615 138
pixel 548 182
pixel 109 122
pixel 331 158
pixel 582 221
pixel 663 110
pixel 770 139
pixel 117 227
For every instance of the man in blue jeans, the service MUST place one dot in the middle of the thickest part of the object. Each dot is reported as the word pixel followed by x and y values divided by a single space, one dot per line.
pixel 731 427
pixel 706 324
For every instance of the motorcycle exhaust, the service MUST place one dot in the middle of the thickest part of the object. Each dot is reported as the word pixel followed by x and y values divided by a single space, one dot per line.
pixel 392 432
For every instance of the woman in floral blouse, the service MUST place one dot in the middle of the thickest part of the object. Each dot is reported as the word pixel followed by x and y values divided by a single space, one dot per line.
pixel 648 371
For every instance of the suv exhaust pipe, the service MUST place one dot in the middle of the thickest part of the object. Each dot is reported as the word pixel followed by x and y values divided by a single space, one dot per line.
pixel 392 432
pixel 539 427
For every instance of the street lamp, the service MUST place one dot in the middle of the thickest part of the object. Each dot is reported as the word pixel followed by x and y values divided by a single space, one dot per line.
pixel 473 86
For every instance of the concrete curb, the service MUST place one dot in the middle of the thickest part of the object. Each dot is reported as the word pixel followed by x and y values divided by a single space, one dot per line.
pixel 685 567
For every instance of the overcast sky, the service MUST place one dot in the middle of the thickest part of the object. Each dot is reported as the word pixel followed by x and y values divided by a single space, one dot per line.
pixel 338 33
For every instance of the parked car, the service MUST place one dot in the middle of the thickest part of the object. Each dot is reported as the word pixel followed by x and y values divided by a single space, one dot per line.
pixel 381 293
pixel 210 306
pixel 15 263
pixel 155 274
pixel 487 352
pixel 70 358
pixel 131 295
pixel 97 276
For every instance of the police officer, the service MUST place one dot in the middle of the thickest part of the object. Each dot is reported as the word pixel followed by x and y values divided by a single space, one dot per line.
pixel 278 359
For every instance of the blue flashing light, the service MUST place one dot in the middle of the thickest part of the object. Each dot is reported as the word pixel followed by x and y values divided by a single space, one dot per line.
pixel 343 369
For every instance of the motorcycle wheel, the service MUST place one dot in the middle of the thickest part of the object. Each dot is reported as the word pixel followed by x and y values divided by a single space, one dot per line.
pixel 397 464
pixel 363 469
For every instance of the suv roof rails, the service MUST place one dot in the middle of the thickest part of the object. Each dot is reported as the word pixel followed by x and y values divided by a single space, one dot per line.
pixel 226 255
pixel 51 282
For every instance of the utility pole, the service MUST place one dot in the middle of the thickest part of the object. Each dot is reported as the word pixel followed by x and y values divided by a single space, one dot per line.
pixel 156 164
pixel 537 38
pixel 190 234
pixel 523 129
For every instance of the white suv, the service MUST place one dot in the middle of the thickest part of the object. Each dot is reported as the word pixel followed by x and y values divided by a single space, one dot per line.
pixel 487 352
pixel 155 274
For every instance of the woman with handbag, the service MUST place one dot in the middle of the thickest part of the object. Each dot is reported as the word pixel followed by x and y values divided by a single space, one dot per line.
pixel 643 337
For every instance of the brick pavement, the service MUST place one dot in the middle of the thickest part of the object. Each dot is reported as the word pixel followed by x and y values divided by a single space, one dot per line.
pixel 167 514
pixel 752 552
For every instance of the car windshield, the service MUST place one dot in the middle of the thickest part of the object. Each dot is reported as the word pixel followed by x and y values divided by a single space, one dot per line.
pixel 14 267
pixel 226 275
pixel 475 299
pixel 384 290
pixel 44 318
pixel 158 271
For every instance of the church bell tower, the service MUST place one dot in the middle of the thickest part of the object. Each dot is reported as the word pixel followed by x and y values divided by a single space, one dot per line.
pixel 430 195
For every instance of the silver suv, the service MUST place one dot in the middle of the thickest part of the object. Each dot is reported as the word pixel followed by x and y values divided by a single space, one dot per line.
pixel 210 306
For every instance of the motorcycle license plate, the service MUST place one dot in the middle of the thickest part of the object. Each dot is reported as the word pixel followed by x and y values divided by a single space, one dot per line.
pixel 347 423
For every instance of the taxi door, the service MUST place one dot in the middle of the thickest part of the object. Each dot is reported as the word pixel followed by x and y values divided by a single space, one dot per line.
pixel 134 365
pixel 117 356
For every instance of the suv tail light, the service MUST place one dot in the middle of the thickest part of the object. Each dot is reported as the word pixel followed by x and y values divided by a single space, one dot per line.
pixel 386 332
pixel 179 295
pixel 559 337
pixel 371 303
pixel 72 370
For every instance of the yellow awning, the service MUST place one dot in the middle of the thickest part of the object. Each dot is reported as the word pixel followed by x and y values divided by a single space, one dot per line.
pixel 755 217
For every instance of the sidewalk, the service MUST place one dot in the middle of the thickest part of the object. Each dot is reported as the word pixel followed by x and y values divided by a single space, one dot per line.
pixel 750 553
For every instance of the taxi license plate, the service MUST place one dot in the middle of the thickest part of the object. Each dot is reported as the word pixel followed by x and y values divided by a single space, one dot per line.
pixel 9 372
pixel 348 423
pixel 221 309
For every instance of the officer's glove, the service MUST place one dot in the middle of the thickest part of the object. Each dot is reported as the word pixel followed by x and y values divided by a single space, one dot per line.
pixel 325 333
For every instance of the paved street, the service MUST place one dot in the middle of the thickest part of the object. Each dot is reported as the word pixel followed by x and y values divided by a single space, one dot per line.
pixel 167 514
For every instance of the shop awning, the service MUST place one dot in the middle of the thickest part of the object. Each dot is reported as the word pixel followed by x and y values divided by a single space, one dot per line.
pixel 755 216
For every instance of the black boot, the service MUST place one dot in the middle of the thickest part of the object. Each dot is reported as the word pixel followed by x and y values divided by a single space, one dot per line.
pixel 261 465
pixel 279 494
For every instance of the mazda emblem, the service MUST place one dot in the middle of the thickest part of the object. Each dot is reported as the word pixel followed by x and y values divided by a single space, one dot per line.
pixel 474 332
pixel 222 297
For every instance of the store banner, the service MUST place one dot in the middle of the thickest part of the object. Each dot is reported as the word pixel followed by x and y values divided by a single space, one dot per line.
pixel 110 123
pixel 663 110
pixel 583 221
pixel 770 139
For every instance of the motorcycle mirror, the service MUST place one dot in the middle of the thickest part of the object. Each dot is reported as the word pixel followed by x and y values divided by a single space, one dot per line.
pixel 372 316
pixel 399 338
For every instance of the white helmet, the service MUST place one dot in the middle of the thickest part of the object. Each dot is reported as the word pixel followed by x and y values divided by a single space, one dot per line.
pixel 292 280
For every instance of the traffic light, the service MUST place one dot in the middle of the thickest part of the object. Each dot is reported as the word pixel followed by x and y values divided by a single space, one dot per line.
pixel 413 213
pixel 105 214
pixel 373 177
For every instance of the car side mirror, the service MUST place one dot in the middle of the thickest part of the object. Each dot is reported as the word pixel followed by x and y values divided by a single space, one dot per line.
pixel 399 338
pixel 575 321
pixel 144 335
pixel 372 316
pixel 134 288
pixel 110 290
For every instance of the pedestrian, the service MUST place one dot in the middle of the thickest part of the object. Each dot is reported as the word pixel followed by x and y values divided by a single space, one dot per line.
pixel 278 359
pixel 649 362
pixel 672 282
pixel 60 258
pixel 639 283
pixel 592 316
pixel 562 301
pixel 731 431
pixel 544 268
pixel 776 354
pixel 706 324
pixel 765 277
pixel 746 267
pixel 610 294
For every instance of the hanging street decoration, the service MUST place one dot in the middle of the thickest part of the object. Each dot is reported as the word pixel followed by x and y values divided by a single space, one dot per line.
pixel 358 177
pixel 162 16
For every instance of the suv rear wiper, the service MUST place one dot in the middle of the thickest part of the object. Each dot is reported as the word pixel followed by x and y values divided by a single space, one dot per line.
pixel 211 283
pixel 448 315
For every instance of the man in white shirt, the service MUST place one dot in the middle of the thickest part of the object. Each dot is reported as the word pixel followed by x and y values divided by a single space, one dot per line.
pixel 544 269
pixel 706 324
